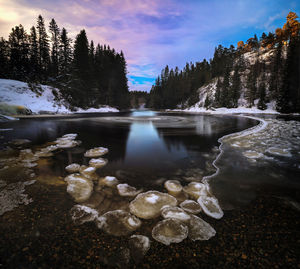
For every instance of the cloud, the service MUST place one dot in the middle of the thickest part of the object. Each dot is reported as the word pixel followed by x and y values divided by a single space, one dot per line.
pixel 153 33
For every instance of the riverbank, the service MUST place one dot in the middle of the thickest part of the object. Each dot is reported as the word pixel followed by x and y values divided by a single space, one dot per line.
pixel 264 234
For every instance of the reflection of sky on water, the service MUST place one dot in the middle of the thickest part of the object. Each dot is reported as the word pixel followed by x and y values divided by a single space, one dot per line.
pixel 143 113
pixel 146 148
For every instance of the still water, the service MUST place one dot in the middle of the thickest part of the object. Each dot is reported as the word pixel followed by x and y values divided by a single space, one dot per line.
pixel 145 147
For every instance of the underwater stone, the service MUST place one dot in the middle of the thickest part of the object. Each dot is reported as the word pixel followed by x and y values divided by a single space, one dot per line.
pixel 200 229
pixel 211 207
pixel 147 205
pixel 118 222
pixel 79 187
pixel 191 206
pixel 174 212
pixel 170 231
pixel 19 142
pixel 81 214
pixel 127 191
pixel 173 186
pixel 195 190
pixel 96 152
pixel 73 168
pixel 138 245
pixel 98 163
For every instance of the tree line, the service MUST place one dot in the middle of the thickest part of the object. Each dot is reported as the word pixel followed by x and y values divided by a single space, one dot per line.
pixel 278 80
pixel 87 75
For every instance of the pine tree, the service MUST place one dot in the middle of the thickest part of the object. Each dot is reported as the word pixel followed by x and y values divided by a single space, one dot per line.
pixel 276 70
pixel 218 102
pixel 55 34
pixel 43 47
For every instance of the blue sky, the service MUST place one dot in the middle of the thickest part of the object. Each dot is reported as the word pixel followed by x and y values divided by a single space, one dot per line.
pixel 154 33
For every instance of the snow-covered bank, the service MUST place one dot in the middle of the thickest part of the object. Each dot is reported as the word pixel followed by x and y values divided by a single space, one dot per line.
pixel 41 100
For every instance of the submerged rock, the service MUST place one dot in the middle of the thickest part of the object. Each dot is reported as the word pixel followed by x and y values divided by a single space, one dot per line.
pixel 96 152
pixel 127 191
pixel 174 212
pixel 199 229
pixel 19 142
pixel 98 163
pixel 147 205
pixel 73 168
pixel 191 206
pixel 138 245
pixel 81 214
pixel 118 222
pixel 173 186
pixel 211 207
pixel 170 231
pixel 79 187
pixel 195 190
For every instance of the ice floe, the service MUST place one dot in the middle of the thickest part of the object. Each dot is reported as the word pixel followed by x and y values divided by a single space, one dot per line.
pixel 127 191
pixel 147 205
pixel 191 206
pixel 79 187
pixel 73 168
pixel 12 195
pixel 118 222
pixel 195 189
pixel 81 214
pixel 96 152
pixel 108 181
pixel 210 206
pixel 139 246
pixel 87 171
pixel 98 163
pixel 173 186
pixel 200 229
pixel 174 212
pixel 170 231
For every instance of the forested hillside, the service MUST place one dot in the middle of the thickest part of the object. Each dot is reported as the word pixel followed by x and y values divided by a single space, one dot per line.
pixel 87 75
pixel 256 72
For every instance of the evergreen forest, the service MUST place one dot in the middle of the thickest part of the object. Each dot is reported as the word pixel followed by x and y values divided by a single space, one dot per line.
pixel 88 75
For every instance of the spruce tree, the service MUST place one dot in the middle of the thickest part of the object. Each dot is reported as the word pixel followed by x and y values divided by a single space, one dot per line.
pixel 4 71
pixel 235 89
pixel 33 54
pixel 65 54
pixel 262 96
pixel 55 34
pixel 43 48
pixel 225 101
pixel 251 88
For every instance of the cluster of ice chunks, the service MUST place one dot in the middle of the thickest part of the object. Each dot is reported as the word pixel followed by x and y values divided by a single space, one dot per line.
pixel 268 143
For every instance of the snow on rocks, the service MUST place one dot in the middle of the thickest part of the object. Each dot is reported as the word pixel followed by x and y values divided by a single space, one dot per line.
pixel 98 163
pixel 118 222
pixel 79 187
pixel 96 152
pixel 191 206
pixel 210 206
pixel 170 231
pixel 148 205
pixel 73 168
pixel 174 212
pixel 127 191
pixel 173 186
pixel 200 229
pixel 81 214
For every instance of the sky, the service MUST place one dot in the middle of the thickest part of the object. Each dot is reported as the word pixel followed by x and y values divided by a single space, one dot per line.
pixel 154 33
